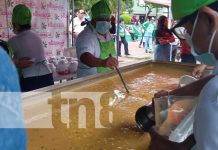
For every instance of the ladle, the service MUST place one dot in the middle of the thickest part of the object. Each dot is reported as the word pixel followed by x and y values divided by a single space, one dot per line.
pixel 121 78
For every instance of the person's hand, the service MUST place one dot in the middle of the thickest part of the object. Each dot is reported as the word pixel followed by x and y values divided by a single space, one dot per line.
pixel 110 62
pixel 24 62
pixel 159 142
pixel 113 20
pixel 199 70
pixel 160 94
pixel 163 41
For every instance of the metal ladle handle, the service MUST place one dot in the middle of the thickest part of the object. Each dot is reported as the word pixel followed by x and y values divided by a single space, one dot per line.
pixel 121 78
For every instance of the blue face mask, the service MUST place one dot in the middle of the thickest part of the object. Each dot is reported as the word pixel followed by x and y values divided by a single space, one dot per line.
pixel 205 58
pixel 103 27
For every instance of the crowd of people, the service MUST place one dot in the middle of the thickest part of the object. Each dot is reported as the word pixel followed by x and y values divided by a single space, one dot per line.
pixel 155 37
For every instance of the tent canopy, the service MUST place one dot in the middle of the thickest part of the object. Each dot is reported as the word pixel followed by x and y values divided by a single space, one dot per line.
pixel 161 2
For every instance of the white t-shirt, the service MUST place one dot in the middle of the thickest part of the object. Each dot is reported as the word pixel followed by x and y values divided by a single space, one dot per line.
pixel 206 116
pixel 77 25
pixel 87 41
pixel 28 44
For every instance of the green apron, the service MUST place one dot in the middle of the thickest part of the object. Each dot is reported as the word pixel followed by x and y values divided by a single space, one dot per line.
pixel 106 48
pixel 122 31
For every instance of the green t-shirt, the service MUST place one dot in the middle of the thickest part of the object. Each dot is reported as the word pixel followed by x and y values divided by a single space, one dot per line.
pixel 145 25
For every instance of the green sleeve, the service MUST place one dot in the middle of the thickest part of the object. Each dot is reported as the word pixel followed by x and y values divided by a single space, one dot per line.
pixel 145 25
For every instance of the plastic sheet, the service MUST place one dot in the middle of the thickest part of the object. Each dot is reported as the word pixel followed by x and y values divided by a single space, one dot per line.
pixel 174 116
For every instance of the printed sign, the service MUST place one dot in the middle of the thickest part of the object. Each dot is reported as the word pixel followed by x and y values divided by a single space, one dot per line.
pixel 49 21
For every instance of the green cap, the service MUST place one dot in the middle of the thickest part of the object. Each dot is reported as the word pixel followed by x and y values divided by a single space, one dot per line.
pixel 101 10
pixel 21 15
pixel 182 8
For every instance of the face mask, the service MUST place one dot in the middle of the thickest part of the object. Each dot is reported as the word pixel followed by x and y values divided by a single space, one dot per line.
pixel 205 58
pixel 103 27
pixel 87 18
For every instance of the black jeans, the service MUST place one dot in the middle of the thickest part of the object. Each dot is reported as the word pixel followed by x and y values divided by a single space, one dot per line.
pixel 123 40
pixel 33 83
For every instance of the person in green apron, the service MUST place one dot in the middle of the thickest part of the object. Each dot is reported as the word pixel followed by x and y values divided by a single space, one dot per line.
pixel 95 44
pixel 122 39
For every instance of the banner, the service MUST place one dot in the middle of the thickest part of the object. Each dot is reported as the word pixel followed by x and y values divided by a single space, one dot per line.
pixel 49 21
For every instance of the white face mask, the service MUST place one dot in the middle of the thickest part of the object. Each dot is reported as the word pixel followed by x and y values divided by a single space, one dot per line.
pixel 205 58
pixel 103 27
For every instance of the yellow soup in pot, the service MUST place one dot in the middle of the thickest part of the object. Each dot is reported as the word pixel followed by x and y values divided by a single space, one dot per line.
pixel 99 115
